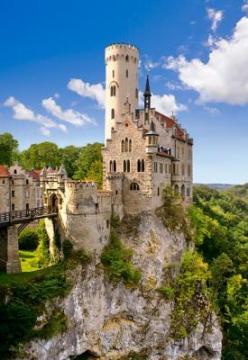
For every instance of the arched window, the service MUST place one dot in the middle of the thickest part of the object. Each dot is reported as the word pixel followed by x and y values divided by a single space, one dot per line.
pixel 27 181
pixel 134 186
pixel 122 146
pixel 174 169
pixel 128 165
pixel 136 93
pixel 142 165
pixel 110 166
pixel 176 188
pixel 114 166
pixel 124 166
pixel 112 113
pixel 188 192
pixel 127 58
pixel 130 145
pixel 113 73
pixel 158 191
pixel 113 90
pixel 126 73
pixel 126 145
pixel 183 190
pixel 138 165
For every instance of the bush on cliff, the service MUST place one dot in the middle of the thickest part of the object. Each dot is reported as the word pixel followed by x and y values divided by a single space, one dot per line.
pixel 117 260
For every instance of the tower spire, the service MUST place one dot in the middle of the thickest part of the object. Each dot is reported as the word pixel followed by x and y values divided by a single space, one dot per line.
pixel 147 99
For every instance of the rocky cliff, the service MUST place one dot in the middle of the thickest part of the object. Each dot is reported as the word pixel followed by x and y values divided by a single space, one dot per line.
pixel 108 320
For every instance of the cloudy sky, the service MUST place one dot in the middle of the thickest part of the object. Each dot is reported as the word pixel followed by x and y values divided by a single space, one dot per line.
pixel 52 72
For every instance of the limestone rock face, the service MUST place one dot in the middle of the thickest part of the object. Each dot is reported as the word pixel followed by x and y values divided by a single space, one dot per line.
pixel 110 321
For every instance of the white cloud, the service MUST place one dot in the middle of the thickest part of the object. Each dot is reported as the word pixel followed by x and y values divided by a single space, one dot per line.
pixel 45 131
pixel 21 112
pixel 215 16
pixel 212 110
pixel 245 6
pixel 69 115
pixel 84 89
pixel 224 77
pixel 165 104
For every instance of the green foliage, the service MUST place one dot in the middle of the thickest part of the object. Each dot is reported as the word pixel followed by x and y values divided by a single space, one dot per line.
pixel 57 324
pixel 190 296
pixel 69 157
pixel 117 260
pixel 28 239
pixel 95 173
pixel 167 291
pixel 173 214
pixel 89 155
pixel 221 235
pixel 40 155
pixel 26 300
pixel 8 149
pixel 67 248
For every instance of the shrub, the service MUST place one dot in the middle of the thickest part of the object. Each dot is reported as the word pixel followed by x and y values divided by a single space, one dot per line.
pixel 28 239
pixel 167 291
pixel 173 214
pixel 117 260
pixel 67 248
pixel 57 324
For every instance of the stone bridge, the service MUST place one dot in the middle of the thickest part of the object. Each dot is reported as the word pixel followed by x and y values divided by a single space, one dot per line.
pixel 11 224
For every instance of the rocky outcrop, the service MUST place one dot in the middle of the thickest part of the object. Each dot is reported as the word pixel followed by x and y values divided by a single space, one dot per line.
pixel 111 321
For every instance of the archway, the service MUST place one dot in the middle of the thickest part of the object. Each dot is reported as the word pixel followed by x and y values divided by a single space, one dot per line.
pixel 183 190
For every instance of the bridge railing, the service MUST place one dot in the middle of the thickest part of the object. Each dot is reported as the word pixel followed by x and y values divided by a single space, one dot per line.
pixel 19 215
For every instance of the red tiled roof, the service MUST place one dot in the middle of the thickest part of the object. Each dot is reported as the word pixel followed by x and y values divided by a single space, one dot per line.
pixel 170 123
pixel 35 174
pixel 4 171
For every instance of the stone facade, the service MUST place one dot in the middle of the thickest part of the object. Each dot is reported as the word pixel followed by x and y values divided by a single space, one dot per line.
pixel 145 151
pixel 84 212
pixel 19 189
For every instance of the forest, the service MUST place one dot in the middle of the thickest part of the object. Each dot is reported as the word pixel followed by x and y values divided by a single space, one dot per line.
pixel 219 219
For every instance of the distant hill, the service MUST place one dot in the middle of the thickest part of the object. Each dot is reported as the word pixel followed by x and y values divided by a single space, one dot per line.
pixel 239 190
pixel 218 186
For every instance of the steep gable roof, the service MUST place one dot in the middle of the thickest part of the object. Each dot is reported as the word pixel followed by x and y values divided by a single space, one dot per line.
pixel 4 171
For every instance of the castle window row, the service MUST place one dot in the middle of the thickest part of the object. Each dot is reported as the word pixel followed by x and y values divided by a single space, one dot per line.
pixel 126 166
pixel 176 169
pixel 161 168
pixel 134 186
pixel 126 145
pixel 141 165
pixel 112 166
pixel 182 190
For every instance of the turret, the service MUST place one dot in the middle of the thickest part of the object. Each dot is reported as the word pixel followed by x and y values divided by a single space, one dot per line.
pixel 147 100
pixel 151 140
pixel 122 62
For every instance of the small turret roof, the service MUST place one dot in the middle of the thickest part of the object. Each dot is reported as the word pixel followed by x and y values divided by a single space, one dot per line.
pixel 62 171
pixel 147 91
pixel 4 172
pixel 152 130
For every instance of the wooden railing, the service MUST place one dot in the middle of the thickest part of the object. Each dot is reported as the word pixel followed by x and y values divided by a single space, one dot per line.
pixel 19 216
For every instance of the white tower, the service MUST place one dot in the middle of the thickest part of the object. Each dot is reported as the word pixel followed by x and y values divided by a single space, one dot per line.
pixel 122 62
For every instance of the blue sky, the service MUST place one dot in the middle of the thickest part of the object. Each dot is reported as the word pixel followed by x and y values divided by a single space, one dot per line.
pixel 52 72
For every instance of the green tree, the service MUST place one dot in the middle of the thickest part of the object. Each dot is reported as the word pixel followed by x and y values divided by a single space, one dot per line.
pixel 88 155
pixel 8 149
pixel 40 155
pixel 69 157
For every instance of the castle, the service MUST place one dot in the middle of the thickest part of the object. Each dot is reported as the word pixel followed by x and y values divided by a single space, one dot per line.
pixel 144 152
pixel 144 149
